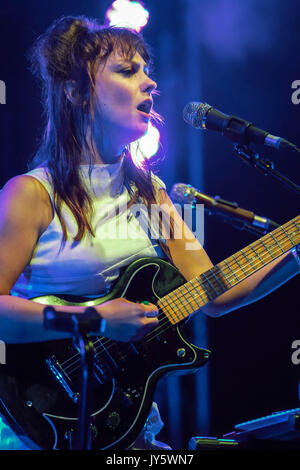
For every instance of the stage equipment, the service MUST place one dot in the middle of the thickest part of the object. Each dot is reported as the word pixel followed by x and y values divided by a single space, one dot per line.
pixel 278 431
pixel 229 211
pixel 39 394
pixel 204 116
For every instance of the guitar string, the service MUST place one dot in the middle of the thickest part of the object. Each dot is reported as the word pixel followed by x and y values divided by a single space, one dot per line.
pixel 103 343
pixel 186 302
pixel 149 337
pixel 154 335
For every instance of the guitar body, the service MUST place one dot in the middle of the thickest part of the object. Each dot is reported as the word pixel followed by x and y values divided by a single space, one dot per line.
pixel 39 384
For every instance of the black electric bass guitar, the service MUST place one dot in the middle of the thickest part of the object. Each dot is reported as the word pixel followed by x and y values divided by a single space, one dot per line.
pixel 39 386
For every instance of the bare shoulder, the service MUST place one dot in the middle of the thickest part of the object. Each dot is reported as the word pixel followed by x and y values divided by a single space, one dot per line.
pixel 24 196
pixel 25 211
pixel 23 186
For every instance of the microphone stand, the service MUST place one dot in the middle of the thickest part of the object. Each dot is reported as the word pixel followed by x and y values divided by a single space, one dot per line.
pixel 239 225
pixel 80 326
pixel 84 432
pixel 265 166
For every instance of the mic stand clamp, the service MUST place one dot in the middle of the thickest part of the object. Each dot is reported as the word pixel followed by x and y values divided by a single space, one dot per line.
pixel 80 326
pixel 265 166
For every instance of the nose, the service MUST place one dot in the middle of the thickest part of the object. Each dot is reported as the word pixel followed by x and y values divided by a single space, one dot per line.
pixel 149 85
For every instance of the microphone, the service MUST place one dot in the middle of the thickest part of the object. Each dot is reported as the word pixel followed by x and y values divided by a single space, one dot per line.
pixel 186 194
pixel 204 116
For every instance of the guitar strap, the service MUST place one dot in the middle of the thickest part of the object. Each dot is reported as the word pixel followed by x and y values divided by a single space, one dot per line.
pixel 161 240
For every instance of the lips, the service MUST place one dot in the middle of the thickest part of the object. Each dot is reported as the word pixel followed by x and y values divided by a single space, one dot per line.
pixel 145 106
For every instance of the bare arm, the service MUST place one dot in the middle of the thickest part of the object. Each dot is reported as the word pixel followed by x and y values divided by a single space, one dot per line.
pixel 255 287
pixel 191 263
pixel 25 212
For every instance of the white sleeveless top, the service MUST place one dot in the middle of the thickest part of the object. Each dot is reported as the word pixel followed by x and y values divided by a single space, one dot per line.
pixel 89 267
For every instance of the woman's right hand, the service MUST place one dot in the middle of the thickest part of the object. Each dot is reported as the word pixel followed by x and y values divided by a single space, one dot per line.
pixel 127 321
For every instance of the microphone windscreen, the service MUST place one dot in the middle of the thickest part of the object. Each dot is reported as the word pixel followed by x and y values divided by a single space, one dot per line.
pixel 194 114
pixel 183 193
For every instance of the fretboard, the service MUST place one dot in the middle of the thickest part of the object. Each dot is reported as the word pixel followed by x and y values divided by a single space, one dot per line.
pixel 194 294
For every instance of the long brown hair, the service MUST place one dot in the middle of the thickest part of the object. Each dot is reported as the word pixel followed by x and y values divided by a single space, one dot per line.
pixel 71 49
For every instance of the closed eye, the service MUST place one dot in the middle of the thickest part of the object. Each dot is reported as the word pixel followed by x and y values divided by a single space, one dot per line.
pixel 134 69
pixel 127 72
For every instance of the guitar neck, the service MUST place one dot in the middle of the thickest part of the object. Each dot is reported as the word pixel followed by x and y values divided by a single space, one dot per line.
pixel 194 294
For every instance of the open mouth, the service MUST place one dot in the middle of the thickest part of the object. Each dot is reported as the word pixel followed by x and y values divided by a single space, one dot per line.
pixel 145 107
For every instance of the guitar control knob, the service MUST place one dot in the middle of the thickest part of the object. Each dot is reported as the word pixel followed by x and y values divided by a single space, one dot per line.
pixel 113 420
pixel 181 352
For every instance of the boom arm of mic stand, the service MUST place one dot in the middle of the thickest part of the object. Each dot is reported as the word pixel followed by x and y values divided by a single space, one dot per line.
pixel 230 212
pixel 265 166
pixel 239 224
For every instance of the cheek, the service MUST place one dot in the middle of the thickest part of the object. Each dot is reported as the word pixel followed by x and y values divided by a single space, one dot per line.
pixel 121 97
pixel 117 94
pixel 115 101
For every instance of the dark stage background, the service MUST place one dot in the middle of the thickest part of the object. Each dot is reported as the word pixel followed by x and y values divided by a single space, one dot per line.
pixel 241 57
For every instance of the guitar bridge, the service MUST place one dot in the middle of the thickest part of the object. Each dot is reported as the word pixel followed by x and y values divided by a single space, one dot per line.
pixel 71 384
pixel 62 377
